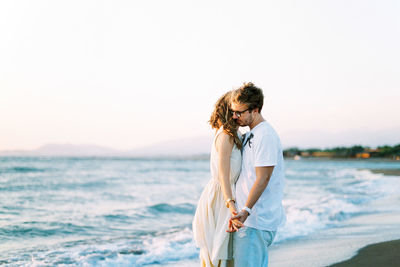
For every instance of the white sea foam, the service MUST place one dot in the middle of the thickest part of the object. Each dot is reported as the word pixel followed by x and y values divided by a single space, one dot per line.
pixel 160 249
pixel 345 193
pixel 171 247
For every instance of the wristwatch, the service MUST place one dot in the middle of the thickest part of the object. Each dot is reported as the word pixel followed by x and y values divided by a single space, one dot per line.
pixel 247 209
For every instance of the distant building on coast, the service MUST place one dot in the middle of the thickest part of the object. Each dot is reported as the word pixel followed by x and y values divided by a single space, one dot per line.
pixel 363 155
pixel 368 153
pixel 358 152
pixel 322 154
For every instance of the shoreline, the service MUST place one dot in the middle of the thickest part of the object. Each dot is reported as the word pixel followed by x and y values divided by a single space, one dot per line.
pixel 384 253
pixel 335 245
pixel 386 172
pixel 331 248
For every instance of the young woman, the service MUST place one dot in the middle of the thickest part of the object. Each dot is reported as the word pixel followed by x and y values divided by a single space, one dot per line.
pixel 217 203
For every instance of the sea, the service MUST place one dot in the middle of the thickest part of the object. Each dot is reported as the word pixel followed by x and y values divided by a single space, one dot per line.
pixel 73 211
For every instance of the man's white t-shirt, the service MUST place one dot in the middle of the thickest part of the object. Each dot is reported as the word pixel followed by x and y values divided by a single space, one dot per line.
pixel 263 149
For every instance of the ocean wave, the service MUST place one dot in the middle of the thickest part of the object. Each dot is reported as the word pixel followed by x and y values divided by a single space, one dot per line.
pixel 170 247
pixel 43 229
pixel 172 169
pixel 117 217
pixel 158 248
pixel 51 185
pixel 346 193
pixel 22 169
pixel 184 208
pixel 10 232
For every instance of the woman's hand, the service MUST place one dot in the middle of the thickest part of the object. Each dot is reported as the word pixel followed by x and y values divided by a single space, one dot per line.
pixel 240 218
pixel 232 208
pixel 233 225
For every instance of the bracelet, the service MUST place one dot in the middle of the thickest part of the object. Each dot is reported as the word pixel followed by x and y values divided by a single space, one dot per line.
pixel 229 200
pixel 247 209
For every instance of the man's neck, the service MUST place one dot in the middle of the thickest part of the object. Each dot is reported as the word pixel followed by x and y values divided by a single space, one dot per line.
pixel 257 120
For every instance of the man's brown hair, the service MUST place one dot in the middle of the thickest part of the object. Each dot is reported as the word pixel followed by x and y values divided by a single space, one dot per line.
pixel 250 95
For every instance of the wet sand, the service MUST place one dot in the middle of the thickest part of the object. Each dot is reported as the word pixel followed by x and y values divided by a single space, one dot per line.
pixel 389 172
pixel 382 254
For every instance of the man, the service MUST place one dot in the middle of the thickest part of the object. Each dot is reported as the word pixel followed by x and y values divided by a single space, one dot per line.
pixel 259 189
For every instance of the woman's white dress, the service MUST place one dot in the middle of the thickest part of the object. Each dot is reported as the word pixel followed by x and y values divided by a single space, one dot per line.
pixel 212 216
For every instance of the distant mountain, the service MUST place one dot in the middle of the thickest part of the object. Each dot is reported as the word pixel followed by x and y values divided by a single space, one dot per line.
pixel 200 146
pixel 175 148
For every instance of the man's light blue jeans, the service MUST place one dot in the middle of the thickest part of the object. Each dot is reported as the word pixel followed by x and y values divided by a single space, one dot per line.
pixel 250 247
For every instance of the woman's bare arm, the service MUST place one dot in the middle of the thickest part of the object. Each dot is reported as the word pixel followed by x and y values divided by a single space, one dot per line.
pixel 224 146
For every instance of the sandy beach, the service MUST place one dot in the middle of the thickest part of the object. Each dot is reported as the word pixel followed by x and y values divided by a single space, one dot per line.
pixel 360 247
pixel 378 254
pixel 324 248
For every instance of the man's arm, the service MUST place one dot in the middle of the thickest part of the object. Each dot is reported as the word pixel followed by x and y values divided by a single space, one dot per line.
pixel 263 175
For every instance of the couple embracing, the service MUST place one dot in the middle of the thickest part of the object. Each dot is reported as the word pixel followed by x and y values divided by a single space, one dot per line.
pixel 240 208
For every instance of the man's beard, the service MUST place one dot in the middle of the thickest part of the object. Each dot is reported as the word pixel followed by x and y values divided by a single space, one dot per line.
pixel 247 122
pixel 241 124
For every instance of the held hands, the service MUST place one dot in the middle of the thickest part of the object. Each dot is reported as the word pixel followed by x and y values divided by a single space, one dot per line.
pixel 233 210
pixel 232 227
pixel 237 220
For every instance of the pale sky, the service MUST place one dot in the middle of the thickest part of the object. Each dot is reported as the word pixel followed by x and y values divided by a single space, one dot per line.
pixel 125 74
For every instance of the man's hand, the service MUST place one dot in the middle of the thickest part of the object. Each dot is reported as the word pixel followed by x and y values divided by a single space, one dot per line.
pixel 236 222
pixel 231 227
pixel 234 225
pixel 241 217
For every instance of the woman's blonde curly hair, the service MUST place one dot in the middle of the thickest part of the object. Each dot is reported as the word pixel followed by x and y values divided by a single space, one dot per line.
pixel 222 116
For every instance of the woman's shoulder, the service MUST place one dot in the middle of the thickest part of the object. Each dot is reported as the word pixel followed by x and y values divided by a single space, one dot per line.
pixel 223 137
